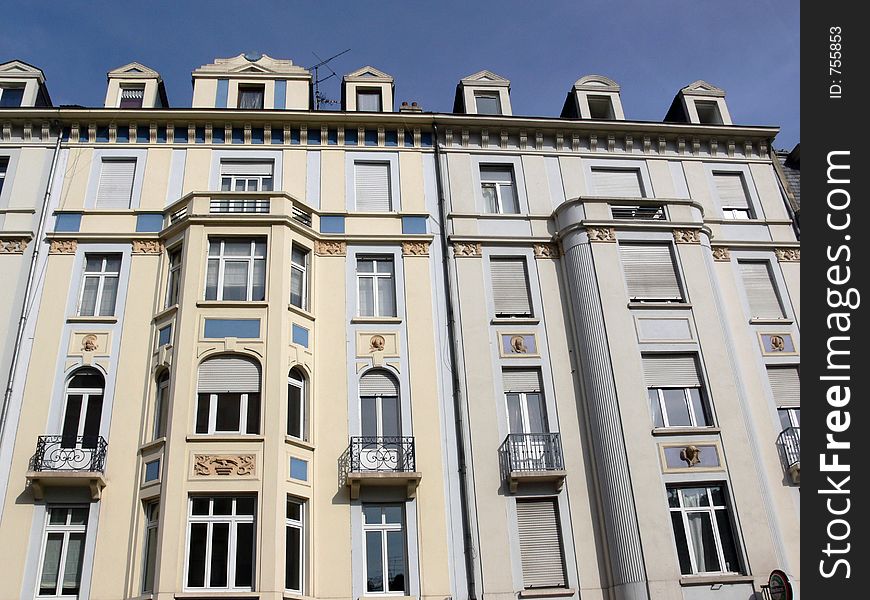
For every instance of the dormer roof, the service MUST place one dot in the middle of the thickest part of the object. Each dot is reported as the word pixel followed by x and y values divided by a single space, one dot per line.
pixel 596 83
pixel 19 68
pixel 134 70
pixel 19 71
pixel 368 73
pixel 702 88
pixel 485 77
pixel 684 108
pixel 257 65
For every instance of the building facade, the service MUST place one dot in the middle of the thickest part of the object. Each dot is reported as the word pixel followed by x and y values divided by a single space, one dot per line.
pixel 259 350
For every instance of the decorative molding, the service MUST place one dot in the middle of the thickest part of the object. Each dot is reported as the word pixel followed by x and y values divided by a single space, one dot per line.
pixel 788 254
pixel 89 343
pixel 539 140
pixel 63 247
pixel 415 248
pixel 467 249
pixel 147 247
pixel 224 465
pixel 330 248
pixel 546 250
pixel 601 234
pixel 687 236
pixel 12 246
pixel 721 253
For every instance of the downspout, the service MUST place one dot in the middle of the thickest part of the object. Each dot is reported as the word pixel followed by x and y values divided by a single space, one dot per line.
pixel 468 542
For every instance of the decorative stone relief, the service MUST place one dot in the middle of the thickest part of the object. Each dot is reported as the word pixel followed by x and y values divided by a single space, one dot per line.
pixel 691 455
pixel 721 253
pixel 546 251
pixel 63 247
pixel 788 254
pixel 601 234
pixel 415 248
pixel 147 247
pixel 8 246
pixel 467 249
pixel 687 236
pixel 330 248
pixel 89 343
pixel 224 465
pixel 93 343
pixel 376 345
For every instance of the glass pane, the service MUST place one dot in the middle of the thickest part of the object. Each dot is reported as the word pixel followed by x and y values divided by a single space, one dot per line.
pixel 92 421
pixel 537 413
pixel 369 414
pixel 237 247
pixel 202 407
pixel 393 514
pixel 267 184
pixel 113 263
pixel 368 101
pixel 293 560
pixel 365 265
pixel 695 497
pixel 673 498
pixel 294 510
pixel 675 406
pixel 298 257
pixel 11 97
pixel 89 297
pixel 244 554
pixel 51 562
pixel 72 568
pixel 490 200
pixel 716 496
pixel 366 297
pixel 655 408
pixel 374 562
pixel 488 105
pixel 87 378
pixel 226 184
pixel 240 185
pixel 150 559
pixel 386 297
pixel 384 266
pixel 57 516
pixel 682 545
pixel 726 536
pixel 110 294
pixel 214 247
pixel 78 516
pixel 260 249
pixel 509 203
pixel 93 263
pixel 220 541
pixel 698 410
pixel 294 407
pixel 196 554
pixel 395 561
pixel 390 416
pixel 296 287
pixel 235 280
pixel 703 542
pixel 372 514
pixel 161 410
pixel 253 417
pixel 71 421
pixel 259 291
pixel 515 415
pixel 784 419
pixel 222 505
pixel 246 505
pixel 253 185
pixel 796 417
pixel 199 506
pixel 211 280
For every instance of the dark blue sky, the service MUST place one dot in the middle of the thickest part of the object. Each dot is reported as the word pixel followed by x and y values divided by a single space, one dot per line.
pixel 651 48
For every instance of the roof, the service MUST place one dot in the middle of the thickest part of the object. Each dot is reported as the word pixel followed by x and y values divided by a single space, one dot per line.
pixel 791 167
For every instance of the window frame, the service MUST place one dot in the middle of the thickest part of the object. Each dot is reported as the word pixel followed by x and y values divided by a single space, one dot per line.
pixel 598 101
pixel 708 105
pixel 710 509
pixel 233 520
pixel 152 525
pixel 4 170
pixel 87 395
pixel 300 384
pixel 527 284
pixel 131 86
pixel 731 213
pixel 375 276
pixel 384 528
pixel 775 286
pixel 494 94
pixel 161 405
pixel 250 259
pixel 370 92
pixel 173 280
pixel 229 182
pixel 66 529
pixel 301 271
pixel 498 186
pixel 13 86
pixel 693 418
pixel 675 265
pixel 390 176
pixel 290 523
pixel 213 399
pixel 102 275
pixel 248 88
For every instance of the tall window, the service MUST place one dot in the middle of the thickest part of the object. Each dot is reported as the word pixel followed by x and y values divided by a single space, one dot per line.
pixel 63 545
pixel 152 519
pixel 541 543
pixel 4 165
pixel 83 409
pixel 115 189
pixel 510 288
pixel 380 421
pixel 786 385
pixel 296 401
pixel 487 103
pixel 732 195
pixel 220 537
pixel 499 189
pixel 650 273
pixel 760 290
pixel 228 398
pixel 251 96
pixel 299 258
pixel 703 531
pixel 294 557
pixel 11 97
pixel 246 176
pixel 161 405
pixel 386 564
pixel 372 185
pixel 368 100
pixel 617 183
pixel 525 402
pixel 236 269
pixel 100 285
pixel 676 394
pixel 132 97
pixel 174 282
pixel 376 286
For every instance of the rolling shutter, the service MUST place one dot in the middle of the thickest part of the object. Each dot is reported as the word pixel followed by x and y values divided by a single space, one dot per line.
pixel 540 544
pixel 731 191
pixel 763 301
pixel 510 288
pixel 649 272
pixel 617 183
pixel 116 183
pixel 521 381
pixel 670 370
pixel 786 385
pixel 378 383
pixel 228 374
pixel 373 187
pixel 246 167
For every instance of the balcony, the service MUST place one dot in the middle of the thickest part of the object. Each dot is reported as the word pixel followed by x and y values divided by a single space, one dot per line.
pixel 789 445
pixel 532 458
pixel 266 205
pixel 379 461
pixel 68 461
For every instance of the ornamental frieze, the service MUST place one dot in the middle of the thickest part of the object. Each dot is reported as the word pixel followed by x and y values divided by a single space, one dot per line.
pixel 63 247
pixel 224 465
pixel 8 246
pixel 721 253
pixel 467 249
pixel 546 250
pixel 601 234
pixel 330 248
pixel 415 248
pixel 788 254
pixel 147 247
pixel 687 236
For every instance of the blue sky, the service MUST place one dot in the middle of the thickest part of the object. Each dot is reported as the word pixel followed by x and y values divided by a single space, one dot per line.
pixel 652 48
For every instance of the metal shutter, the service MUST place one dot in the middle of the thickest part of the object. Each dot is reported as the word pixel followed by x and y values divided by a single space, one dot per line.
pixel 731 191
pixel 670 370
pixel 228 374
pixel 510 288
pixel 540 544
pixel 521 381
pixel 649 272
pixel 786 385
pixel 763 301
pixel 246 167
pixel 378 383
pixel 617 183
pixel 132 93
pixel 116 184
pixel 373 187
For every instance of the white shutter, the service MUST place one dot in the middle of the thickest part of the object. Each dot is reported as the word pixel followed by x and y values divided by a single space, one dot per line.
pixel 247 167
pixel 732 194
pixel 116 183
pixel 510 288
pixel 613 183
pixel 763 301
pixel 231 374
pixel 497 174
pixel 373 187
pixel 521 381
pixel 540 544
pixel 378 383
pixel 670 370
pixel 649 272
pixel 786 385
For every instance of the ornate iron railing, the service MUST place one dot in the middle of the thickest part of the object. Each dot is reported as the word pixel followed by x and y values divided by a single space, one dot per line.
pixel 69 453
pixel 531 452
pixel 789 445
pixel 370 453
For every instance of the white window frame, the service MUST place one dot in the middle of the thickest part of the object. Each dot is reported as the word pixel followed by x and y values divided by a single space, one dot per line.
pixel 248 183
pixel 251 258
pixel 731 213
pixel 301 385
pixel 693 418
pixel 173 282
pixel 87 394
pixel 152 522
pixel 131 86
pixel 299 525
pixel 15 86
pixel 65 529
pixel 4 168
pixel 792 414
pixel 375 276
pixel 301 271
pixel 370 92
pixel 251 87
pixel 161 403
pixel 102 275
pixel 497 186
pixel 213 409
pixel 210 520
pixel 476 94
pixel 383 528
pixel 711 511
pixel 524 411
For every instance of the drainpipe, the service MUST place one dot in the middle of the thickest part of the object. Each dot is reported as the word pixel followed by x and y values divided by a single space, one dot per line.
pixel 447 266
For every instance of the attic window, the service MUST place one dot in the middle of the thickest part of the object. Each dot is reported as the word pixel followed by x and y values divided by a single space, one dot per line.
pixel 601 108
pixel 487 103
pixel 708 112
pixel 131 97
pixel 251 96
pixel 11 97
pixel 368 100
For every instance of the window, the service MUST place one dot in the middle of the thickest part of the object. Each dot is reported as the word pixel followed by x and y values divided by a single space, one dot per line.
pixel 525 402
pixel 152 471
pixel 650 273
pixel 380 421
pixel 541 544
pixel 386 565
pixel 220 537
pixel 368 100
pixel 100 285
pixel 63 545
pixel 174 283
pixel 228 396
pixel 4 165
pixel 82 411
pixel 372 184
pixel 675 390
pixel 246 176
pixel 702 528
pixel 152 519
pixel 11 97
pixel 499 190
pixel 115 189
pixel 600 107
pixel 708 112
pixel 164 336
pixel 760 290
pixel 732 195
pixel 376 286
pixel 299 277
pixel 251 96
pixel 487 103
pixel 510 288
pixel 132 97
pixel 296 400
pixel 161 405
pixel 617 183
pixel 294 557
pixel 786 385
pixel 236 269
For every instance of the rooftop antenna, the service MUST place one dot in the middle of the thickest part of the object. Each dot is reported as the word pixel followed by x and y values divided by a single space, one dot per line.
pixel 318 97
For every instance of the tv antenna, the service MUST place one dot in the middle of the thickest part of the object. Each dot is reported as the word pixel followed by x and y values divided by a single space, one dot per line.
pixel 318 97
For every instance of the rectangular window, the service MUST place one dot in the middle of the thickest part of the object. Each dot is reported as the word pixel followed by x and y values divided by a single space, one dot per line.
pixel 499 189
pixel 161 406
pixel 708 112
pixel 732 195
pixel 675 390
pixel 236 269
pixel 132 97
pixel 294 557
pixel 487 103
pixel 152 470
pixel 11 97
pixel 63 545
pixel 786 385
pixel 164 335
pixel 650 273
pixel 703 531
pixel 152 519
pixel 386 563
pixel 600 107
pixel 299 277
pixel 100 285
pixel 4 165
pixel 115 189
pixel 527 412
pixel 220 542
pixel 172 285
pixel 510 288
pixel 760 290
pixel 251 96
pixel 372 184
pixel 228 413
pixel 247 176
pixel 541 544
pixel 617 183
pixel 368 101
pixel 376 288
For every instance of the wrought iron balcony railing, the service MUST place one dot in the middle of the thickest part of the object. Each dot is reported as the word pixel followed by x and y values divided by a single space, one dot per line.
pixel 530 452
pixel 370 453
pixel 789 445
pixel 69 453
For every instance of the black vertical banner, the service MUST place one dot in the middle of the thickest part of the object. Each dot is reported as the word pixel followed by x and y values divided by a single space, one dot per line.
pixel 835 359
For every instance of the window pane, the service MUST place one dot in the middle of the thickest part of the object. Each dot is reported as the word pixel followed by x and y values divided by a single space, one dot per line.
pixel 296 287
pixel 366 297
pixel 396 561
pixel 369 410
pixel 253 418
pixel 51 562
pixel 701 533
pixel 222 505
pixel 150 559
pixel 259 291
pixel 655 408
pixel 374 562
pixel 58 516
pixel 226 184
pixel 202 407
pixel 89 297
pixel 220 540
pixel 113 263
pixel 293 560
pixel 237 248
pixel 675 405
pixel 235 280
pixel 260 249
pixel 294 406
pixel 294 510
pixel 368 101
pixel 372 514
pixel 228 412
pixel 488 105
pixel 93 263
pixel 71 424
pixel 11 97
pixel 245 505
pixel 365 266
pixel 266 184
pixel 537 414
pixel 72 568
pixel 211 280
pixel 244 554
pixel 386 297
pixel 384 266
pixel 393 514
pixel 698 410
pixel 390 426
pixel 509 199
pixel 196 556
pixel 78 516
pixel 726 536
pixel 92 420
pixel 695 497
pixel 490 201
pixel 682 545
pixel 199 506
pixel 110 293
pixel 784 419
pixel 298 257
pixel 515 415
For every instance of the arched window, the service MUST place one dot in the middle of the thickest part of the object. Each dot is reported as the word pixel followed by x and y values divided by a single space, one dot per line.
pixel 228 399
pixel 379 404
pixel 161 405
pixel 83 406
pixel 296 404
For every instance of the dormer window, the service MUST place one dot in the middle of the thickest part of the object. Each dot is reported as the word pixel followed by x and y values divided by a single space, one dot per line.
pixel 132 97
pixel 708 112
pixel 368 101
pixel 600 108
pixel 11 96
pixel 487 103
pixel 251 96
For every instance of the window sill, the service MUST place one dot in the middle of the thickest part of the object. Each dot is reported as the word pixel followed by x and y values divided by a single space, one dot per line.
pixel 660 305
pixel 391 320
pixel 547 592
pixel 515 321
pixel 300 311
pixel 169 310
pixel 209 594
pixel 232 304
pixel 664 431
pixel 690 580
pixel 152 445
pixel 756 321
pixel 81 319
pixel 224 437
pixel 292 441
